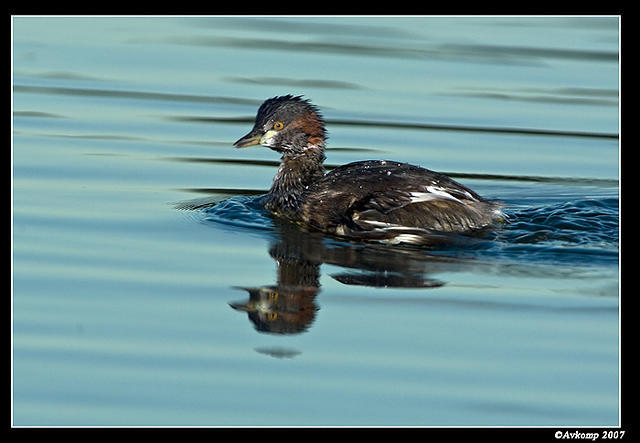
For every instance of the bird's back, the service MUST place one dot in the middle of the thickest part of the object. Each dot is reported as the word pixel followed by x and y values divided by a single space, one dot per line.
pixel 386 197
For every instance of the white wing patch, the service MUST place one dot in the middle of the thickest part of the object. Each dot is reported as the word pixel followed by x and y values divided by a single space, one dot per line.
pixel 382 225
pixel 432 193
pixel 437 193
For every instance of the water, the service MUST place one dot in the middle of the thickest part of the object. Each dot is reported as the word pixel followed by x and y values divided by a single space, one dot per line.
pixel 150 288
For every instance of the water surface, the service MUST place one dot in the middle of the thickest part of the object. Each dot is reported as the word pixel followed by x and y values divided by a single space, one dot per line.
pixel 150 288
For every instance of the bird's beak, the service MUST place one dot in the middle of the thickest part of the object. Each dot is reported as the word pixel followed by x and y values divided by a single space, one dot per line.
pixel 252 138
pixel 244 307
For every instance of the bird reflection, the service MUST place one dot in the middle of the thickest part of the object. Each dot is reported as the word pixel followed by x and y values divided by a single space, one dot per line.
pixel 289 306
pixel 280 309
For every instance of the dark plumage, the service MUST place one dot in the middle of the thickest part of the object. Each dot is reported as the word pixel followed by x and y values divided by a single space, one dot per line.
pixel 374 199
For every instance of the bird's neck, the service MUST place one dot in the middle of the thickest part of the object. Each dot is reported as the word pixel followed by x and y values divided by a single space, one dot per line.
pixel 294 177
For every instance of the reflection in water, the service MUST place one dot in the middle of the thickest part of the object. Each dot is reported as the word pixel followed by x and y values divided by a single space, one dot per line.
pixel 280 309
pixel 540 241
pixel 289 306
pixel 278 352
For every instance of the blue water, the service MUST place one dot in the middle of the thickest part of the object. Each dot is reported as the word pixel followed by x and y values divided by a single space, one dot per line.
pixel 149 287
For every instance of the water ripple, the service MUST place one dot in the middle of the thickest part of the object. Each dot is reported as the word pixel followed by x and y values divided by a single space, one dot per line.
pixel 503 54
pixel 588 222
pixel 580 232
pixel 146 95
pixel 239 211
pixel 413 125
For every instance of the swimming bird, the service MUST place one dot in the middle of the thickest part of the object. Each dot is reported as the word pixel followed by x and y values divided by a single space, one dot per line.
pixel 380 200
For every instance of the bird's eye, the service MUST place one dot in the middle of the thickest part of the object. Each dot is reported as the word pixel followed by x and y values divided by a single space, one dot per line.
pixel 278 126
